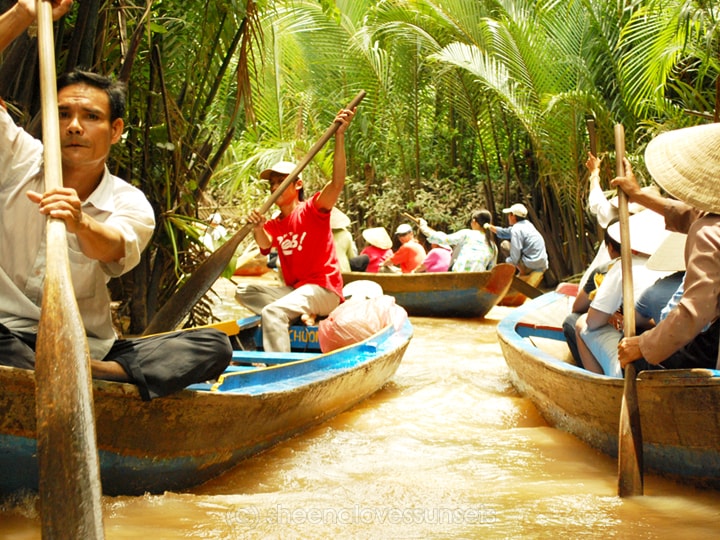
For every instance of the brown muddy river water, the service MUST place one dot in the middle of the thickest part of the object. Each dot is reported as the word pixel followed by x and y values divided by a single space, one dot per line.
pixel 446 450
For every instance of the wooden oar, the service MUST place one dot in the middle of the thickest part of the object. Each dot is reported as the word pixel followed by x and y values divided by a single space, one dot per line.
pixel 630 450
pixel 179 305
pixel 69 481
pixel 590 122
pixel 520 286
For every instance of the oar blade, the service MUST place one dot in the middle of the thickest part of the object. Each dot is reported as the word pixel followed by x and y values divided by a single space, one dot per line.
pixel 69 481
pixel 630 451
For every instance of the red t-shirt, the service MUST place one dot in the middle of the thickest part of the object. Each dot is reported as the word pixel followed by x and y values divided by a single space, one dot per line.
pixel 305 247
pixel 377 256
pixel 409 256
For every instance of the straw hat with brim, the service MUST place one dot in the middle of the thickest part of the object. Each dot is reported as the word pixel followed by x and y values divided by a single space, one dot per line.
pixel 686 164
pixel 634 208
pixel 647 231
pixel 338 219
pixel 281 167
pixel 670 255
pixel 377 237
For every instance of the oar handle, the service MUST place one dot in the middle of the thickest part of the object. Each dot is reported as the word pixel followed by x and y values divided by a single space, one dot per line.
pixel 329 132
pixel 412 218
pixel 625 246
pixel 590 122
pixel 52 162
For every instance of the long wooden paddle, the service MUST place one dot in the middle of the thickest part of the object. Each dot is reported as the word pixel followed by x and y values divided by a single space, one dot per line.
pixel 69 483
pixel 179 305
pixel 520 286
pixel 630 450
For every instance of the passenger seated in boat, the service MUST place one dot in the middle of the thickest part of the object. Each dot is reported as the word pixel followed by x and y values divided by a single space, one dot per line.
pixel 605 211
pixel 409 255
pixel 686 164
pixel 437 259
pixel 377 251
pixel 587 293
pixel 345 247
pixel 109 223
pixel 652 305
pixel 522 245
pixel 599 330
pixel 302 234
pixel 474 249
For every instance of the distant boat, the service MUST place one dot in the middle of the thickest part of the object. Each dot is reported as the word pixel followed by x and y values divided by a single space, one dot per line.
pixel 182 440
pixel 679 409
pixel 443 294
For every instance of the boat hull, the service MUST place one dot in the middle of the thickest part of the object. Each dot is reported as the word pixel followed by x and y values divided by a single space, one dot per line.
pixel 182 440
pixel 679 409
pixel 443 294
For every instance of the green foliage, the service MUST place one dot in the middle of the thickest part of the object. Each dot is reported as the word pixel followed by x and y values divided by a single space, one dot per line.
pixel 470 103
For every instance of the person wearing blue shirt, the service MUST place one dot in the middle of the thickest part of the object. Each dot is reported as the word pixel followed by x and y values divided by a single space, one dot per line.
pixel 522 244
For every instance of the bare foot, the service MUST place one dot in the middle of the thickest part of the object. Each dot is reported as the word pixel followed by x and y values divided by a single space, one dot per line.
pixel 308 319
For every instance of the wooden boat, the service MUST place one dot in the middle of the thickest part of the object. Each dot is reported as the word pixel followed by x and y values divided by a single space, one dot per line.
pixel 182 440
pixel 679 409
pixel 443 294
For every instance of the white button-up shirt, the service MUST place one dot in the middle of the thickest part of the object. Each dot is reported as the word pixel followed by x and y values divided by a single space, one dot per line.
pixel 23 240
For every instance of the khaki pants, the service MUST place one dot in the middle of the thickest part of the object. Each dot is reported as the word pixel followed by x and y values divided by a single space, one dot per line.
pixel 281 306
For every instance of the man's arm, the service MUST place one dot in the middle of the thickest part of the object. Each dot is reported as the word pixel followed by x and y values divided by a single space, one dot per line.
pixel 16 19
pixel 332 190
pixel 262 238
pixel 648 199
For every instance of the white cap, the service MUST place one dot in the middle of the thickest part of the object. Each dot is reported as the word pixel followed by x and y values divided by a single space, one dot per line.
pixel 403 228
pixel 517 209
pixel 281 167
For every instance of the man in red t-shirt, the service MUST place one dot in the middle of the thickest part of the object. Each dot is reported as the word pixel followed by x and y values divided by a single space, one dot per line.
pixel 410 254
pixel 303 238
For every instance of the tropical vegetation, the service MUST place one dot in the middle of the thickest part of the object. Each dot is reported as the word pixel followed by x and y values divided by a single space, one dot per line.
pixel 470 103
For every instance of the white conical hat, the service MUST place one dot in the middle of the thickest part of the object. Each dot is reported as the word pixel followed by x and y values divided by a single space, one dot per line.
pixel 338 219
pixel 378 237
pixel 686 164
pixel 670 255
pixel 647 231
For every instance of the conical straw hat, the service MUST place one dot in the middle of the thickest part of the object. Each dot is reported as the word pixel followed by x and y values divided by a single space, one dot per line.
pixel 647 231
pixel 686 163
pixel 338 219
pixel 378 237
pixel 670 255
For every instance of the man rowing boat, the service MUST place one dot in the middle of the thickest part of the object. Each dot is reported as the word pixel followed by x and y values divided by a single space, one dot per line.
pixel 109 223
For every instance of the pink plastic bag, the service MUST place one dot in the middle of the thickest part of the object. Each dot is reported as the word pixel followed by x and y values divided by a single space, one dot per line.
pixel 356 320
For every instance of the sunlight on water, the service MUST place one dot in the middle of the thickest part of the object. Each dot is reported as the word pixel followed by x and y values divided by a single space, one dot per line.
pixel 446 450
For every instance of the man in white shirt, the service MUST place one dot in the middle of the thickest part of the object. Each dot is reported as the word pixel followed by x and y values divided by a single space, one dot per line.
pixel 108 223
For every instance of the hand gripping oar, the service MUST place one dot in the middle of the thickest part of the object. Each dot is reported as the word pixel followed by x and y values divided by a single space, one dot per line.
pixel 630 449
pixel 69 482
pixel 171 314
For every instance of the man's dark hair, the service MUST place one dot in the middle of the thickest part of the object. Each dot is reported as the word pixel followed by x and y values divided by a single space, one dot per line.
pixel 609 240
pixel 115 90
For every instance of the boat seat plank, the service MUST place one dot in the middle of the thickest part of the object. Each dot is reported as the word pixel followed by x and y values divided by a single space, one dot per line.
pixel 248 322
